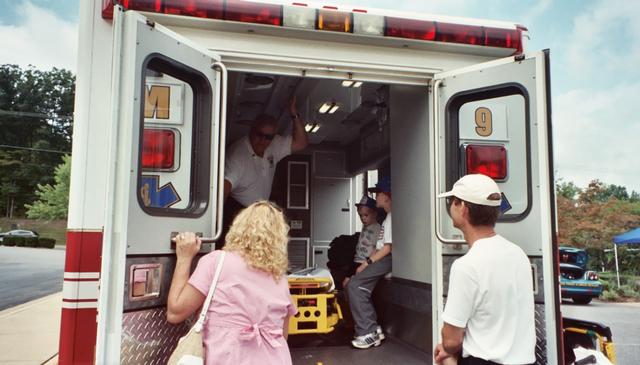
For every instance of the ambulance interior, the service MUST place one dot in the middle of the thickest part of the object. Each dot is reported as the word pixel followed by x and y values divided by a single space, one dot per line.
pixel 358 132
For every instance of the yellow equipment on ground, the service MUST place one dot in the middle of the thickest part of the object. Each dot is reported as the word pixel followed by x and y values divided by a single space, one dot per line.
pixel 597 335
pixel 318 308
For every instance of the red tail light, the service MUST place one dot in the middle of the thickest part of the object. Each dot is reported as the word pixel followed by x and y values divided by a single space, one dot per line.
pixel 489 160
pixel 158 149
pixel 592 276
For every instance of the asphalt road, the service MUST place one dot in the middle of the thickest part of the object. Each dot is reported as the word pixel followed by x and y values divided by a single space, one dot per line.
pixel 29 273
pixel 622 318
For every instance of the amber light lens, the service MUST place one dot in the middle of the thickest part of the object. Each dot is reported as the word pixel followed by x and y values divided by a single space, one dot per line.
pixel 158 149
pixel 335 21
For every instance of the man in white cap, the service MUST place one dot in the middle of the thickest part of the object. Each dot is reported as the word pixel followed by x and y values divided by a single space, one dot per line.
pixel 489 311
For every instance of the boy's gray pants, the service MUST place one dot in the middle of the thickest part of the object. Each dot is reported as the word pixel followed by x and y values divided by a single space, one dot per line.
pixel 359 291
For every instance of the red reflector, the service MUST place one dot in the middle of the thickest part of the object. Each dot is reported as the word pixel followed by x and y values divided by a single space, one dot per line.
pixel 487 160
pixel 158 149
pixel 335 21
pixel 250 12
pixel 197 8
pixel 410 28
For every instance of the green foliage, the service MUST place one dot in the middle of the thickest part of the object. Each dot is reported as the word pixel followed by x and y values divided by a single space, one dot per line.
pixel 46 242
pixel 14 241
pixel 567 189
pixel 30 241
pixel 53 201
pixel 35 110
pixel 8 242
pixel 610 295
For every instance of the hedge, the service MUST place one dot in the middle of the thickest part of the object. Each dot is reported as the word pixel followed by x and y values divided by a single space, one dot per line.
pixel 47 242
pixel 29 241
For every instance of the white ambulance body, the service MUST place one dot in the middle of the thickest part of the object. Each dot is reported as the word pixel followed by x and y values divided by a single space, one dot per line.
pixel 164 87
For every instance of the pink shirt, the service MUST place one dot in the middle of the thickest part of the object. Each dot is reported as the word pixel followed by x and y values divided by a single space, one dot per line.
pixel 246 315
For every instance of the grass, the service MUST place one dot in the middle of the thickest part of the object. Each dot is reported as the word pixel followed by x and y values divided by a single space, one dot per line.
pixel 50 229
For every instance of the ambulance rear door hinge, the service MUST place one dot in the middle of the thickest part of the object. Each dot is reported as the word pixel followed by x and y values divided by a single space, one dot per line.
pixel 519 57
pixel 151 23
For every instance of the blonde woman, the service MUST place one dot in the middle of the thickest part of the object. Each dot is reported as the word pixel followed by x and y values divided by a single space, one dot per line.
pixel 249 313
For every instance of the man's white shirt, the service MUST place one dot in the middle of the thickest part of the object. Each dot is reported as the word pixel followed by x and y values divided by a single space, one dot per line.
pixel 491 296
pixel 250 175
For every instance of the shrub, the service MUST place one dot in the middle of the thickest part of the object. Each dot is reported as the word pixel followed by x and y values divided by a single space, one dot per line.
pixel 14 241
pixel 7 241
pixel 46 242
pixel 30 241
pixel 609 295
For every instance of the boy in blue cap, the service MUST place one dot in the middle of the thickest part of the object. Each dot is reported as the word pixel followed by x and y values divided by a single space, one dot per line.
pixel 376 266
pixel 368 214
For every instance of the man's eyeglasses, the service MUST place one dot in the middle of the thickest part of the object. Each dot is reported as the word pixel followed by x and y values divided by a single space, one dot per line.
pixel 268 137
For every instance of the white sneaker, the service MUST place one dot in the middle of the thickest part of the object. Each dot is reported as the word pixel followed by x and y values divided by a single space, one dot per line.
pixel 381 335
pixel 366 341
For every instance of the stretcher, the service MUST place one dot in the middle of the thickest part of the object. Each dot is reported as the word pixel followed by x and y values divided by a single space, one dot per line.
pixel 313 293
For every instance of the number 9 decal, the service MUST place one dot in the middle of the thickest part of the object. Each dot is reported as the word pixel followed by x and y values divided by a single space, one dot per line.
pixel 484 123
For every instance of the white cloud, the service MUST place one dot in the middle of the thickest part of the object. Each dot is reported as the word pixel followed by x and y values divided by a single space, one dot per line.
pixel 605 39
pixel 40 39
pixel 596 136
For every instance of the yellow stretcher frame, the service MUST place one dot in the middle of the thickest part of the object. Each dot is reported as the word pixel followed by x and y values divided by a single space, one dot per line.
pixel 605 345
pixel 318 308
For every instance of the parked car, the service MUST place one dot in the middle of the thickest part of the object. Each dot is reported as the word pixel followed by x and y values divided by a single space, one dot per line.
pixel 18 232
pixel 576 282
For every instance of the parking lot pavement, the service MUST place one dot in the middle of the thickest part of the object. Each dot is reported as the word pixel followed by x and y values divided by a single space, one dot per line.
pixel 29 332
pixel 28 274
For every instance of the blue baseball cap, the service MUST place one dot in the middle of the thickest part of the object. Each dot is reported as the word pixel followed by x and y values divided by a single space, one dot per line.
pixel 382 186
pixel 367 202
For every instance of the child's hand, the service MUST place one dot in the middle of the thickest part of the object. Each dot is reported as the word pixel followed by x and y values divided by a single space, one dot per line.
pixel 346 281
pixel 361 267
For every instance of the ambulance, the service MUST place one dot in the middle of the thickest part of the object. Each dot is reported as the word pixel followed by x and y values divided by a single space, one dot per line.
pixel 164 87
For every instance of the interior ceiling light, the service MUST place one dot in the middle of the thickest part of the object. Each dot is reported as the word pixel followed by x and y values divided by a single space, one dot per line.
pixel 328 107
pixel 351 83
pixel 311 127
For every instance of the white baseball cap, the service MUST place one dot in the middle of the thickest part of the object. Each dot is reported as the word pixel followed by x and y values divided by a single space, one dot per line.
pixel 475 188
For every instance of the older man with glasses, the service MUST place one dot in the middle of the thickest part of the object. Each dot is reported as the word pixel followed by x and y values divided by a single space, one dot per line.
pixel 251 161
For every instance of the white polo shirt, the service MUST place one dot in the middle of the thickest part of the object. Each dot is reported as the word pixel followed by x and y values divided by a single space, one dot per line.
pixel 250 175
pixel 385 233
pixel 491 295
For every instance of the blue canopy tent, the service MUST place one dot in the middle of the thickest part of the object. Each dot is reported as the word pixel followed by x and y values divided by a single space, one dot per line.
pixel 628 238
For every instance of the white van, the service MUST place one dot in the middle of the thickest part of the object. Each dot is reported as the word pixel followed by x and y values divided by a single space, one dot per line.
pixel 164 86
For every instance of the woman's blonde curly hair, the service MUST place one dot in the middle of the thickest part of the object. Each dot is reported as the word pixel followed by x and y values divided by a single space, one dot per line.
pixel 259 233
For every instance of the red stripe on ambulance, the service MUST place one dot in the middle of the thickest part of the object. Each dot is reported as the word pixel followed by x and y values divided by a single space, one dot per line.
pixel 78 327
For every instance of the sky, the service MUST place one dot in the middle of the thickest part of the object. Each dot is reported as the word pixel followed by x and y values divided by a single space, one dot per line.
pixel 595 67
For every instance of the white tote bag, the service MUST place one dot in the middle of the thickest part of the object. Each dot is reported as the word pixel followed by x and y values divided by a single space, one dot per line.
pixel 190 349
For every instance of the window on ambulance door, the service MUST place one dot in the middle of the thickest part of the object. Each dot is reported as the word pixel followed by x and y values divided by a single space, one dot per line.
pixel 488 133
pixel 175 139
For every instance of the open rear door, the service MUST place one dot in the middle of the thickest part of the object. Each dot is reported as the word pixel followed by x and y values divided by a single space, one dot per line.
pixel 166 167
pixel 494 118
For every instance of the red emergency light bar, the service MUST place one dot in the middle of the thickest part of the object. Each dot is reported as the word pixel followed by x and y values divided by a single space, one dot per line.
pixel 329 18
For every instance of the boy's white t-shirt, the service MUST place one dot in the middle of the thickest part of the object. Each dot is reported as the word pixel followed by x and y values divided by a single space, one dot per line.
pixel 491 296
pixel 385 232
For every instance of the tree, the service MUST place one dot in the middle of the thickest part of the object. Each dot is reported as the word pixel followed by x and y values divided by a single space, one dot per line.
pixel 593 216
pixel 35 131
pixel 53 201
pixel 567 189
